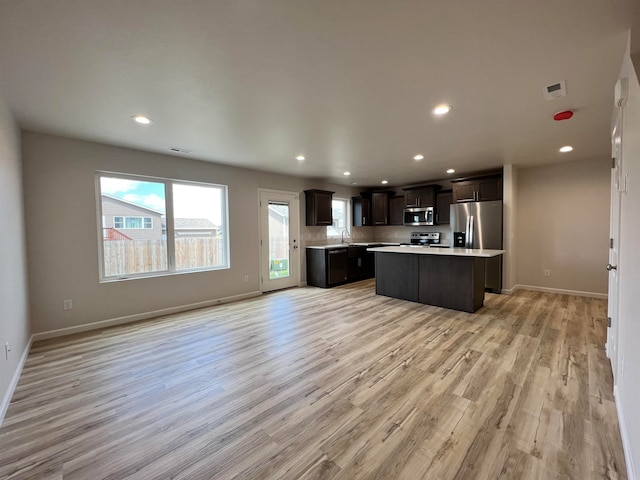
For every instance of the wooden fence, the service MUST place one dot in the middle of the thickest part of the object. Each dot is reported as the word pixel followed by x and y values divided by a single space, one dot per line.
pixel 122 257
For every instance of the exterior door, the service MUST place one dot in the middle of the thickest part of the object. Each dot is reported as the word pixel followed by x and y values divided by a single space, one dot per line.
pixel 617 188
pixel 279 240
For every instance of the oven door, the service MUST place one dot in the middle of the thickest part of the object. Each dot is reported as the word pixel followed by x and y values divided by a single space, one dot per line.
pixel 418 216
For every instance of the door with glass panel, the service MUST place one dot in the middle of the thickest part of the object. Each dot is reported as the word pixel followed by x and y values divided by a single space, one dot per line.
pixel 279 242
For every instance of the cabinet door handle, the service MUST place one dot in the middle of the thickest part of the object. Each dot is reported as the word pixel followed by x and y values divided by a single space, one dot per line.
pixel 364 221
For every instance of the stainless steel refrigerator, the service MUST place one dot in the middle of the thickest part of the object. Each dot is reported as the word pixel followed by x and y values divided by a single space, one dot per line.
pixel 479 225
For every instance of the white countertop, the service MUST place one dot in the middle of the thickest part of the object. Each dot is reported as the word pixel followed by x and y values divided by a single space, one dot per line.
pixel 456 252
pixel 345 245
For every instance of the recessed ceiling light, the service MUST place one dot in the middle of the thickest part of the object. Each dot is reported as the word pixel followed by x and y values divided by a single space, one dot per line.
pixel 384 182
pixel 142 119
pixel 300 157
pixel 353 183
pixel 418 157
pixel 442 109
pixel 566 148
pixel 346 174
pixel 451 170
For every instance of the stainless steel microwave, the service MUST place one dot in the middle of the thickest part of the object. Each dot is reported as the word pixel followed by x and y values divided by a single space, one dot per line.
pixel 418 216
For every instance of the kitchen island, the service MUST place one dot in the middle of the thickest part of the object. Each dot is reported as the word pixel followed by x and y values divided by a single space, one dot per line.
pixel 445 277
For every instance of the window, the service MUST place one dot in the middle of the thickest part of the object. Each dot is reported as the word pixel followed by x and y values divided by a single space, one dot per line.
pixel 340 212
pixel 160 226
pixel 132 222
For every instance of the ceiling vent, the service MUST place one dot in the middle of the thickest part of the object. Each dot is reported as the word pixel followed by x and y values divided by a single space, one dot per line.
pixel 555 90
pixel 620 92
pixel 179 150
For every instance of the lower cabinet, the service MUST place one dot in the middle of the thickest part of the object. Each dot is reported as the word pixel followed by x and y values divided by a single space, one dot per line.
pixel 361 264
pixel 334 266
pixel 451 282
pixel 447 281
pixel 397 276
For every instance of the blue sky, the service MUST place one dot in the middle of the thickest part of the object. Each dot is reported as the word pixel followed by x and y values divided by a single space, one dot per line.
pixel 189 201
pixel 146 194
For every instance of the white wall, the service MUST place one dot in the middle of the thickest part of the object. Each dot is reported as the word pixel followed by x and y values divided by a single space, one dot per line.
pixel 628 378
pixel 14 317
pixel 563 226
pixel 60 213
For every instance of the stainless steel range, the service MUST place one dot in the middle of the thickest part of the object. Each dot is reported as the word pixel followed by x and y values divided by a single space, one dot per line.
pixel 423 239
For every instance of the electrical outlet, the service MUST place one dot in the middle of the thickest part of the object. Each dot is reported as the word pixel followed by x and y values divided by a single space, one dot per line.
pixel 547 273
pixel 246 278
pixel 7 349
pixel 67 305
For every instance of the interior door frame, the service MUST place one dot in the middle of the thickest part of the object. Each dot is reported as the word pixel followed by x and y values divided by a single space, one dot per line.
pixel 293 198
pixel 617 188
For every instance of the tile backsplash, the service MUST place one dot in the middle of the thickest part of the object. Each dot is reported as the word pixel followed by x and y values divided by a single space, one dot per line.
pixel 318 235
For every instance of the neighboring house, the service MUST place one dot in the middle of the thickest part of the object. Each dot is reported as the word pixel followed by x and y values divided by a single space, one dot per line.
pixel 123 220
pixel 195 227
pixel 279 231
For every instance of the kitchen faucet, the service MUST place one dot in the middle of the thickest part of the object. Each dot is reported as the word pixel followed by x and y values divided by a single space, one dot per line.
pixel 342 235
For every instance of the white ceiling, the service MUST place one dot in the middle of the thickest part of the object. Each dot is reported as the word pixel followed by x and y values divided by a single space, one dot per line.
pixel 348 83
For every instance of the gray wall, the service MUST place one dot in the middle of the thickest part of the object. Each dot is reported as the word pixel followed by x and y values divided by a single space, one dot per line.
pixel 14 316
pixel 63 246
pixel 563 225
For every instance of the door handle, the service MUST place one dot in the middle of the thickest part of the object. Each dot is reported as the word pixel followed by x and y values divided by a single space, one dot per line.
pixel 611 267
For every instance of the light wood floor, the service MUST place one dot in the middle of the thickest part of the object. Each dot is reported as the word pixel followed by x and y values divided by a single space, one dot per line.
pixel 311 383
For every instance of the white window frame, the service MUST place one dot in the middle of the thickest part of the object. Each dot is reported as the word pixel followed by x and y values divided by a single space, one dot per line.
pixel 169 218
pixel 337 233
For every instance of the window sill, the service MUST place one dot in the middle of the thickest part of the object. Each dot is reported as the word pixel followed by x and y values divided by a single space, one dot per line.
pixel 164 273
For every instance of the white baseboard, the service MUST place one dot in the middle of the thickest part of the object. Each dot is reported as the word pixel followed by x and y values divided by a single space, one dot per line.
pixel 555 290
pixel 4 406
pixel 302 284
pixel 631 472
pixel 139 316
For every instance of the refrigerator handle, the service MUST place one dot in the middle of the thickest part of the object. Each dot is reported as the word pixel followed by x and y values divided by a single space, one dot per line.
pixel 469 232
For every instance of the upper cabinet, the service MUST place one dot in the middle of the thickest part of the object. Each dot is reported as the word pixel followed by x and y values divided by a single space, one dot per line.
pixel 396 210
pixel 318 203
pixel 370 208
pixel 361 211
pixel 443 202
pixel 478 189
pixel 380 208
pixel 420 196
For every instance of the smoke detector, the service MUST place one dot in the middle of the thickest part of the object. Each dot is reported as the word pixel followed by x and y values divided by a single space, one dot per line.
pixel 555 90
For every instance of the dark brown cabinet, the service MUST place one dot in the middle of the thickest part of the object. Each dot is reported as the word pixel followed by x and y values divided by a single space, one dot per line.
pixel 361 211
pixel 396 210
pixel 420 196
pixel 380 208
pixel 360 263
pixel 370 208
pixel 479 189
pixel 443 202
pixel 327 267
pixel 318 205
